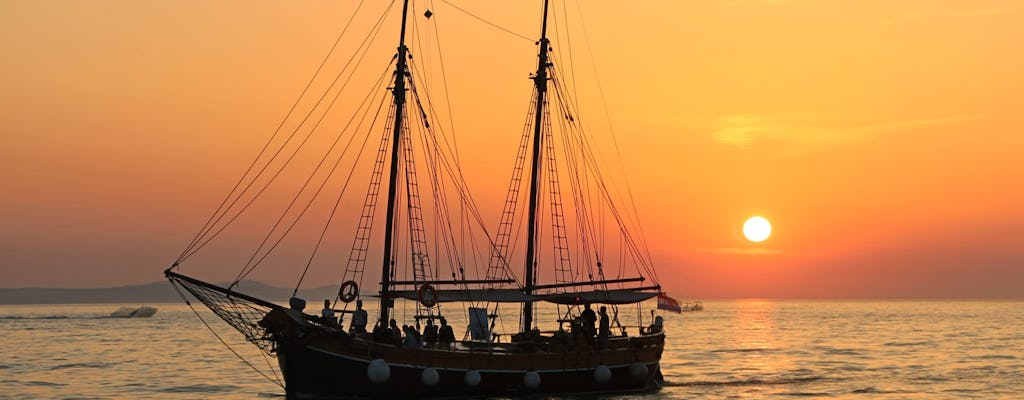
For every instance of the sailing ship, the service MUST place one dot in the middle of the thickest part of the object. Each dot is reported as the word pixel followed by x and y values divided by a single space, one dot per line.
pixel 574 351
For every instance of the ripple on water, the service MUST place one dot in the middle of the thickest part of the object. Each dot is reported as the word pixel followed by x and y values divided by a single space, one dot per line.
pixel 39 383
pixel 83 365
pixel 805 394
pixel 907 344
pixel 750 382
pixel 21 317
pixel 199 388
pixel 995 357
pixel 834 351
pixel 874 390
pixel 746 350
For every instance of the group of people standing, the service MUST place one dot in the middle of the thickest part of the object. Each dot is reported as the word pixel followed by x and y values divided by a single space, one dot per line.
pixel 588 319
pixel 408 335
pixel 359 318
pixel 589 325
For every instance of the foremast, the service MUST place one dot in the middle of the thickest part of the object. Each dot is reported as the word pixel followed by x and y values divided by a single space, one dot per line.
pixel 398 92
pixel 540 82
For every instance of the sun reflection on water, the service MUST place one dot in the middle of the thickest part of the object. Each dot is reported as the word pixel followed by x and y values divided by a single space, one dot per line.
pixel 755 339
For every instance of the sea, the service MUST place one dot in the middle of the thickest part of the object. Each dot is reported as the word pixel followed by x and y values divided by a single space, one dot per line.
pixel 732 349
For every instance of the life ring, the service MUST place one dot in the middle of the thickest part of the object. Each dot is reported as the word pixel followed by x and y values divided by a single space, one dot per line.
pixel 349 291
pixel 427 295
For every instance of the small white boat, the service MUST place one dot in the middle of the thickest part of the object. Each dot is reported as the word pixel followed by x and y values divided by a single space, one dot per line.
pixel 138 312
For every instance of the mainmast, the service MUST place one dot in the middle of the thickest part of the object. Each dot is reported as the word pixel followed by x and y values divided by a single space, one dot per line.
pixel 540 81
pixel 401 69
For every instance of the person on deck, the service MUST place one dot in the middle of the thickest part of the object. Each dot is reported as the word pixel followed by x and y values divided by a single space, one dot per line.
pixel 589 318
pixel 413 339
pixel 381 333
pixel 395 331
pixel 358 319
pixel 604 330
pixel 430 333
pixel 657 326
pixel 327 314
pixel 445 335
pixel 408 342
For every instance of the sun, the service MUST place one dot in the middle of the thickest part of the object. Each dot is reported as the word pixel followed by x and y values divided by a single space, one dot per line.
pixel 757 229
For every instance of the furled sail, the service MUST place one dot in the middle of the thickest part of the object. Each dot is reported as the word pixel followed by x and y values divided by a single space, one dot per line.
pixel 619 296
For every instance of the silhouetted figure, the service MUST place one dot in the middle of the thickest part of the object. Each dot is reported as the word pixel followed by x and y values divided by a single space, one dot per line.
pixel 296 304
pixel 589 319
pixel 395 331
pixel 412 337
pixel 445 335
pixel 358 319
pixel 327 314
pixel 381 334
pixel 430 333
pixel 604 330
pixel 407 342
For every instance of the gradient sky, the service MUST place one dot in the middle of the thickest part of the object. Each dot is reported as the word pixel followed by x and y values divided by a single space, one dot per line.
pixel 883 139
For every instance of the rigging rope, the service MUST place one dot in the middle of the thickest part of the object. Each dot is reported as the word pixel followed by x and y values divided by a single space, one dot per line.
pixel 356 264
pixel 344 187
pixel 253 261
pixel 250 265
pixel 444 81
pixel 224 212
pixel 611 129
pixel 589 163
pixel 486 21
pixel 276 381
pixel 208 225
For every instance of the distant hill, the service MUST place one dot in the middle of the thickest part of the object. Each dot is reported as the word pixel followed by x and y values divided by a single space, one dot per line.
pixel 156 292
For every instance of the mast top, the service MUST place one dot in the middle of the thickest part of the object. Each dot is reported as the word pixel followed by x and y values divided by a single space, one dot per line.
pixel 544 24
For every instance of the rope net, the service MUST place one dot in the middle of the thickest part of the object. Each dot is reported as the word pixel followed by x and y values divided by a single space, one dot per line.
pixel 241 314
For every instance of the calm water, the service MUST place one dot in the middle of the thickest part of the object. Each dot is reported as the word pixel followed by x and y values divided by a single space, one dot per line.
pixel 733 349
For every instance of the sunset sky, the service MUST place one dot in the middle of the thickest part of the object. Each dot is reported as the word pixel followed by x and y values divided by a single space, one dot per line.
pixel 882 139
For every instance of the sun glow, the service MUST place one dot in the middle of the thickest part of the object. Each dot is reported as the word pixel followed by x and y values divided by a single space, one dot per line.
pixel 757 229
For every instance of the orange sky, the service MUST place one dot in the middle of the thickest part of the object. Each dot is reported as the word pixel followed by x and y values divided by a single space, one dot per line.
pixel 881 138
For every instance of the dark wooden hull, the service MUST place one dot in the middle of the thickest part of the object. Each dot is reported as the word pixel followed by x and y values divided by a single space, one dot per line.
pixel 337 366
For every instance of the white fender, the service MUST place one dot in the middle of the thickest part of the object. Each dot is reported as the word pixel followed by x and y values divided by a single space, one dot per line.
pixel 531 380
pixel 472 378
pixel 602 374
pixel 378 371
pixel 430 376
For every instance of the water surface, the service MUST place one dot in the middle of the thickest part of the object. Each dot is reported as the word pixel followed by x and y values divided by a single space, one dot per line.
pixel 732 349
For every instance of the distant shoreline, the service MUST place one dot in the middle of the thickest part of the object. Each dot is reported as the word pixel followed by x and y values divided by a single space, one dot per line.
pixel 163 292
pixel 156 292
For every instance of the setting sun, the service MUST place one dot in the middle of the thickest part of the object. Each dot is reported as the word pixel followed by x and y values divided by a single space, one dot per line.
pixel 757 229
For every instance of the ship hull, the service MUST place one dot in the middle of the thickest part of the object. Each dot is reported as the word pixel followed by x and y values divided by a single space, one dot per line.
pixel 339 367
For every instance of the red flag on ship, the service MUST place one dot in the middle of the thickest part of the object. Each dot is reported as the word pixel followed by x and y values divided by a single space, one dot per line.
pixel 668 303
